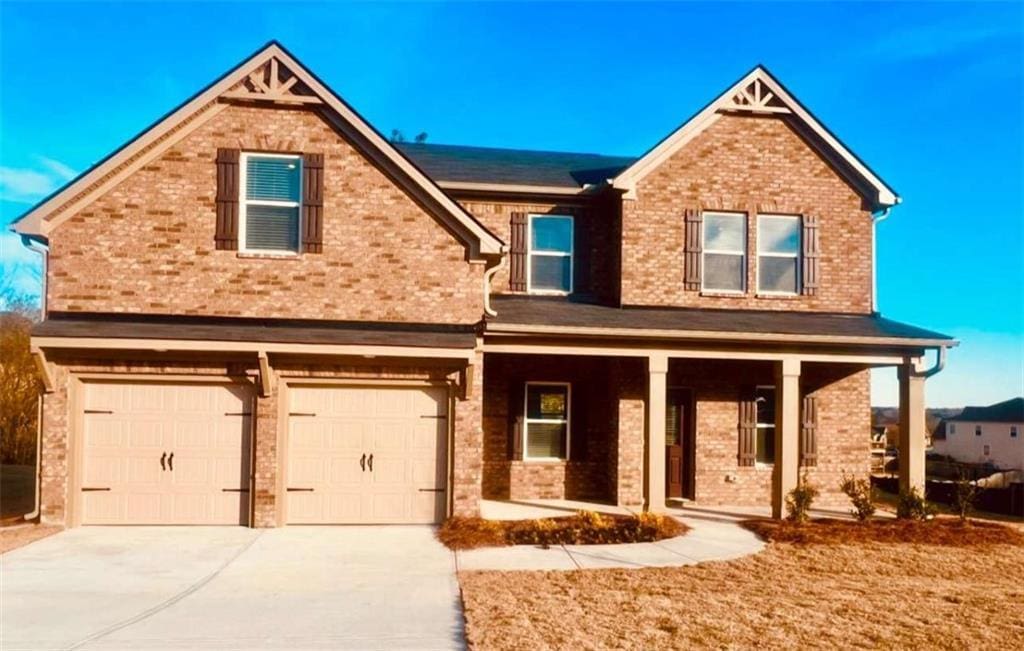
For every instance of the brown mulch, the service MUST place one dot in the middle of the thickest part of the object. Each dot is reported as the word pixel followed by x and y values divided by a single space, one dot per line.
pixel 949 532
pixel 583 528
pixel 21 535
pixel 789 596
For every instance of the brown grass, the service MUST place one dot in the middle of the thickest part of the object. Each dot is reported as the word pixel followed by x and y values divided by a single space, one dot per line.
pixel 583 528
pixel 948 532
pixel 789 596
pixel 14 537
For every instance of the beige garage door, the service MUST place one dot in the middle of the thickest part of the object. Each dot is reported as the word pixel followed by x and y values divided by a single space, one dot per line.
pixel 165 454
pixel 367 455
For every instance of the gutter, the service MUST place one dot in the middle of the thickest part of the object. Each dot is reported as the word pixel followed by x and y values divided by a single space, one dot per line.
pixel 44 253
pixel 488 275
pixel 39 459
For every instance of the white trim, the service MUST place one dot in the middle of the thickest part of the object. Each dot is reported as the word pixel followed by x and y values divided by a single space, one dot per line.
pixel 567 421
pixel 243 203
pixel 742 252
pixel 553 254
pixel 798 256
pixel 628 178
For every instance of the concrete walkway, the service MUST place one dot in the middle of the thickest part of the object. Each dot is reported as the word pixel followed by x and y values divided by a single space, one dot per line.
pixel 713 536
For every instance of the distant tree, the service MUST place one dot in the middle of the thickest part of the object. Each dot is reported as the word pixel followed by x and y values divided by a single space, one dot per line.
pixel 421 137
pixel 19 388
pixel 397 136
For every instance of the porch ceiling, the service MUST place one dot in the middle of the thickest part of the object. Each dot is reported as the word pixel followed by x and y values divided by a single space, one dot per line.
pixel 559 316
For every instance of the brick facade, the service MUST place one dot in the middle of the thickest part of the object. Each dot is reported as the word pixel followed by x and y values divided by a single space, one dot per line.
pixel 147 245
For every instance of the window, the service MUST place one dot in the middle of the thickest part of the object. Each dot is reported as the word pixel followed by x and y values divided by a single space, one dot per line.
pixel 986 450
pixel 546 430
pixel 270 203
pixel 765 445
pixel 550 249
pixel 778 254
pixel 951 428
pixel 977 430
pixel 725 257
pixel 1013 431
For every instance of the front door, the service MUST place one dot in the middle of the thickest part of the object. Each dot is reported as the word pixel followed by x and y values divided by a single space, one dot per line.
pixel 679 444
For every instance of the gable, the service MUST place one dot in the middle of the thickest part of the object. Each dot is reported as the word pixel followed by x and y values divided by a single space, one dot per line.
pixel 759 93
pixel 270 77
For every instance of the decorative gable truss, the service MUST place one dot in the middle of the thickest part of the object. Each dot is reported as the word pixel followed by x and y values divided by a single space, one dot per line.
pixel 758 92
pixel 271 75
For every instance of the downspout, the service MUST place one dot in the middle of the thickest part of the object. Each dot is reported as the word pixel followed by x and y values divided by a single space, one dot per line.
pixel 44 252
pixel 488 275
pixel 876 219
pixel 940 363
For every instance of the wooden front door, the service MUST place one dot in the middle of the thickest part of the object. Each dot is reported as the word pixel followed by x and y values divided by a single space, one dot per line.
pixel 679 444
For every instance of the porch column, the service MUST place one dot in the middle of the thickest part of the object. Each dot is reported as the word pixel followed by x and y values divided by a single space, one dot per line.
pixel 657 371
pixel 786 472
pixel 912 427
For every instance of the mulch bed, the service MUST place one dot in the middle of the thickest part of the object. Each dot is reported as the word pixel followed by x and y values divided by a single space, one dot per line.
pixel 583 528
pixel 948 532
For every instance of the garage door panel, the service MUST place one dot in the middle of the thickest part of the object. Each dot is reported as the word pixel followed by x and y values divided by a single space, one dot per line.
pixel 399 426
pixel 150 421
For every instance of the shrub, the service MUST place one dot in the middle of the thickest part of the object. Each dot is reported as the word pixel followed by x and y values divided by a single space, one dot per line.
pixel 965 495
pixel 799 500
pixel 582 528
pixel 912 506
pixel 860 493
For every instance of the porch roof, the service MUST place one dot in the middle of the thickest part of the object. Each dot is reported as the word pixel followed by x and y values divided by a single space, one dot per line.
pixel 557 315
pixel 66 325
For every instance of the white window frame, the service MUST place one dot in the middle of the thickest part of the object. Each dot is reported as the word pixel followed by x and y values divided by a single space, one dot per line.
pixel 705 251
pixel 554 254
pixel 243 203
pixel 758 425
pixel 795 256
pixel 567 421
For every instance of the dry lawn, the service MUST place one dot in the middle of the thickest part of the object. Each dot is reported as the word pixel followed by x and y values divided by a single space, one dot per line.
pixel 19 536
pixel 864 595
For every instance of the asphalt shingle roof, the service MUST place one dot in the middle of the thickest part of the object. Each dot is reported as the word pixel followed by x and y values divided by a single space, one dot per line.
pixel 1008 411
pixel 458 163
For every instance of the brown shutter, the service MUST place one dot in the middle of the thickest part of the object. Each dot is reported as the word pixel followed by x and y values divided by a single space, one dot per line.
pixel 313 203
pixel 516 421
pixel 747 427
pixel 581 227
pixel 226 237
pixel 517 253
pixel 811 255
pixel 809 432
pixel 579 425
pixel 693 223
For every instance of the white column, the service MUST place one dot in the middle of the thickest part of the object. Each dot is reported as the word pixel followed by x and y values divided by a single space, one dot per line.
pixel 657 371
pixel 786 472
pixel 912 428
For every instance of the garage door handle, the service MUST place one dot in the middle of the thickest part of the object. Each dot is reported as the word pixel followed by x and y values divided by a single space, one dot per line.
pixel 369 462
pixel 170 462
pixel 362 462
pixel 92 490
pixel 163 462
pixel 234 490
pixel 299 490
pixel 431 490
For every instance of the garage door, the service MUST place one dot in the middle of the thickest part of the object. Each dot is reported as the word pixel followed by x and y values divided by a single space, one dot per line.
pixel 367 455
pixel 165 454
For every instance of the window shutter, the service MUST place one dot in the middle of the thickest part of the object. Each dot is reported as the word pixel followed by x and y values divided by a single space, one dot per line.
pixel 747 427
pixel 226 237
pixel 313 203
pixel 693 223
pixel 809 432
pixel 579 428
pixel 517 253
pixel 516 422
pixel 811 255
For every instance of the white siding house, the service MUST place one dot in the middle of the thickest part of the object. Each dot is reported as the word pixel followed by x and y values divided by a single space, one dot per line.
pixel 993 434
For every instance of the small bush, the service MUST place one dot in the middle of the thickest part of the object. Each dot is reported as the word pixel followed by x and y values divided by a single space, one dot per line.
pixel 912 506
pixel 799 500
pixel 964 496
pixel 860 493
pixel 941 531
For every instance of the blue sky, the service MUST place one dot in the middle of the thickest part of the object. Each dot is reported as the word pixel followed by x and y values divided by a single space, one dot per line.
pixel 931 95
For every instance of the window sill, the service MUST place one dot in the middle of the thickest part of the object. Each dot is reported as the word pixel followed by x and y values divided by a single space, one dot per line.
pixel 785 297
pixel 252 255
pixel 722 294
pixel 760 465
pixel 543 461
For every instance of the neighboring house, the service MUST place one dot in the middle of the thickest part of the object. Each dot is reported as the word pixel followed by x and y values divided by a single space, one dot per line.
pixel 260 311
pixel 993 435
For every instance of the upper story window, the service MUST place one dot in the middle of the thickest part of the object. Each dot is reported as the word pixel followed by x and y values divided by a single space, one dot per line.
pixel 951 428
pixel 977 430
pixel 270 203
pixel 1013 431
pixel 546 431
pixel 778 254
pixel 549 270
pixel 765 446
pixel 725 252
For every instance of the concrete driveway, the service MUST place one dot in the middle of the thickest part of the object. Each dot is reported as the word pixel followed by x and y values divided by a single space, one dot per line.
pixel 231 588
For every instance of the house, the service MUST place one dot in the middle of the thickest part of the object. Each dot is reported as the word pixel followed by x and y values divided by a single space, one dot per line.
pixel 989 435
pixel 260 311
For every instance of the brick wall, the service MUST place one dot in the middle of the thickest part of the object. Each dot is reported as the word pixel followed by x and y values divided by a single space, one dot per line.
pixel 746 164
pixel 147 244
